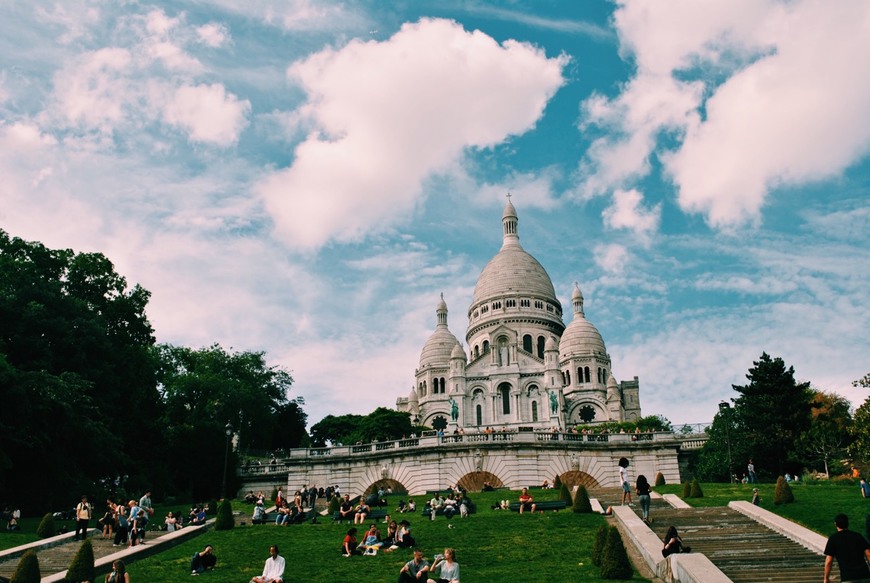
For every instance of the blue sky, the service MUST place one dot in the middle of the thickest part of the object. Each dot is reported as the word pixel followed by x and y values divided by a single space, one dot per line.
pixel 305 178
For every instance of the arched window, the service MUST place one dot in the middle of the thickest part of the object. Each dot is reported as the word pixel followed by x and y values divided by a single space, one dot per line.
pixel 567 377
pixel 443 384
pixel 476 351
pixel 588 378
pixel 580 374
pixel 485 346
pixel 527 343
pixel 479 412
pixel 505 392
pixel 423 388
pixel 541 343
pixel 534 410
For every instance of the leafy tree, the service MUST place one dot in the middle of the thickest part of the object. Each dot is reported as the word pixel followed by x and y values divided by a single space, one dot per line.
pixel 860 447
pixel 81 569
pixel 206 389
pixel 660 479
pixel 828 436
pixel 74 355
pixel 27 570
pixel 382 424
pixel 773 410
pixel 722 449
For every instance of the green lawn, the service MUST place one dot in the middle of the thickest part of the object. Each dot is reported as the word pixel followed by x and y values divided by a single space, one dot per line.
pixel 490 545
pixel 815 505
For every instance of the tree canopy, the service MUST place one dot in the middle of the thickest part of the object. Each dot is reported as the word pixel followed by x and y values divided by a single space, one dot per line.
pixel 382 424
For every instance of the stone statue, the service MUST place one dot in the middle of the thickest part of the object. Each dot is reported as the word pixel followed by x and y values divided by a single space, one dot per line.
pixel 554 402
pixel 454 409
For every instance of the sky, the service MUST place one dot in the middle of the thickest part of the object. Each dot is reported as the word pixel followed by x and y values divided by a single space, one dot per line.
pixel 306 178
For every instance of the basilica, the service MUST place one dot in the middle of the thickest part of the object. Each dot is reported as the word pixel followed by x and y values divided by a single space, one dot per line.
pixel 524 369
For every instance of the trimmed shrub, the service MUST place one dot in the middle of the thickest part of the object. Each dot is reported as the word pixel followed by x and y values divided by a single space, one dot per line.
pixel 212 507
pixel 581 501
pixel 27 570
pixel 687 490
pixel 274 493
pixel 614 558
pixel 46 527
pixel 557 483
pixel 660 479
pixel 783 493
pixel 696 491
pixel 334 505
pixel 225 520
pixel 82 566
pixel 565 494
pixel 598 545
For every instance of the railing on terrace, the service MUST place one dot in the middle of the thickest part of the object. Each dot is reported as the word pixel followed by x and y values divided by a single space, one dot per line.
pixel 432 439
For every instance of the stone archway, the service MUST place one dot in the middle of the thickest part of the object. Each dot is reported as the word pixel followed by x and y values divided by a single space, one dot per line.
pixel 473 482
pixel 387 485
pixel 577 478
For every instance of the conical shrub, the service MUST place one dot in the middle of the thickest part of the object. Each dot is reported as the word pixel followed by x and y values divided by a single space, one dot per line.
pixel 614 558
pixel 212 507
pixel 783 493
pixel 581 501
pixel 82 566
pixel 225 520
pixel 557 483
pixel 696 491
pixel 687 490
pixel 46 527
pixel 660 479
pixel 598 545
pixel 334 505
pixel 27 570
pixel 565 494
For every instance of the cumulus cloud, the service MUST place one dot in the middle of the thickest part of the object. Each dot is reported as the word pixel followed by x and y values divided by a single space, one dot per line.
pixel 612 257
pixel 756 95
pixel 208 113
pixel 391 113
pixel 627 212
pixel 212 34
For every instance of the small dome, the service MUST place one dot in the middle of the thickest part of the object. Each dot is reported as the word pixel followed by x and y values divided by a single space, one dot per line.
pixel 412 398
pixel 580 337
pixel 509 210
pixel 458 353
pixel 439 346
pixel 550 344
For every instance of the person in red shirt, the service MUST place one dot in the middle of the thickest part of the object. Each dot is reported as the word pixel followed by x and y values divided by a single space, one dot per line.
pixel 527 502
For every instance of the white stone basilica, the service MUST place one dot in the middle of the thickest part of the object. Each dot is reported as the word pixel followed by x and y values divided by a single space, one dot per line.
pixel 525 368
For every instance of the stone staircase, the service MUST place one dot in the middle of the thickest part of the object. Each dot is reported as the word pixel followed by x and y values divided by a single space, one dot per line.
pixel 57 558
pixel 743 549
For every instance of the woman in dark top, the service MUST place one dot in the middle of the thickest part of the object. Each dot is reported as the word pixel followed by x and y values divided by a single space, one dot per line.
pixel 673 542
pixel 643 489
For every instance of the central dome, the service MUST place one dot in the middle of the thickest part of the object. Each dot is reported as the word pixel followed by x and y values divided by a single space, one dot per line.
pixel 513 271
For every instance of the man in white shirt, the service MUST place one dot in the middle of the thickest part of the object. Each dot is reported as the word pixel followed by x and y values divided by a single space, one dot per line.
pixel 273 571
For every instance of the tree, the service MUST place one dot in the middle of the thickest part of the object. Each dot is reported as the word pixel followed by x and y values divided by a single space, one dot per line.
pixel 205 389
pixel 46 528
pixel 581 501
pixel 722 448
pixel 27 570
pixel 81 569
pixel 225 519
pixel 828 436
pixel 598 545
pixel 782 494
pixel 382 424
pixel 614 558
pixel 860 447
pixel 772 411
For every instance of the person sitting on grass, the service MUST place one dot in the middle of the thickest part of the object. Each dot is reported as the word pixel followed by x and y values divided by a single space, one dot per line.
pixel 362 511
pixel 273 570
pixel 203 561
pixel 259 516
pixel 527 502
pixel 448 567
pixel 414 571
pixel 350 544
pixel 372 541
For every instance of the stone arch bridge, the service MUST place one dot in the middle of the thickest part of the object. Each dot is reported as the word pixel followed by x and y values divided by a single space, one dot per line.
pixel 511 459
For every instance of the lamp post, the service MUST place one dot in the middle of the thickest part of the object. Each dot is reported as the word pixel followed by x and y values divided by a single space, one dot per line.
pixel 725 409
pixel 229 431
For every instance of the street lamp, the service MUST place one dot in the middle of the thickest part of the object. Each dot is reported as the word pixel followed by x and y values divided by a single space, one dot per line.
pixel 725 409
pixel 229 431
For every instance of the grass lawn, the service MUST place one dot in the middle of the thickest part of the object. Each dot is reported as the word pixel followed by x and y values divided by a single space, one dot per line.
pixel 815 505
pixel 490 545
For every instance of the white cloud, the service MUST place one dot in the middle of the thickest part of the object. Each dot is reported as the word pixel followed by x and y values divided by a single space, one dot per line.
pixel 612 257
pixel 213 34
pixel 791 109
pixel 627 212
pixel 392 113
pixel 208 113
